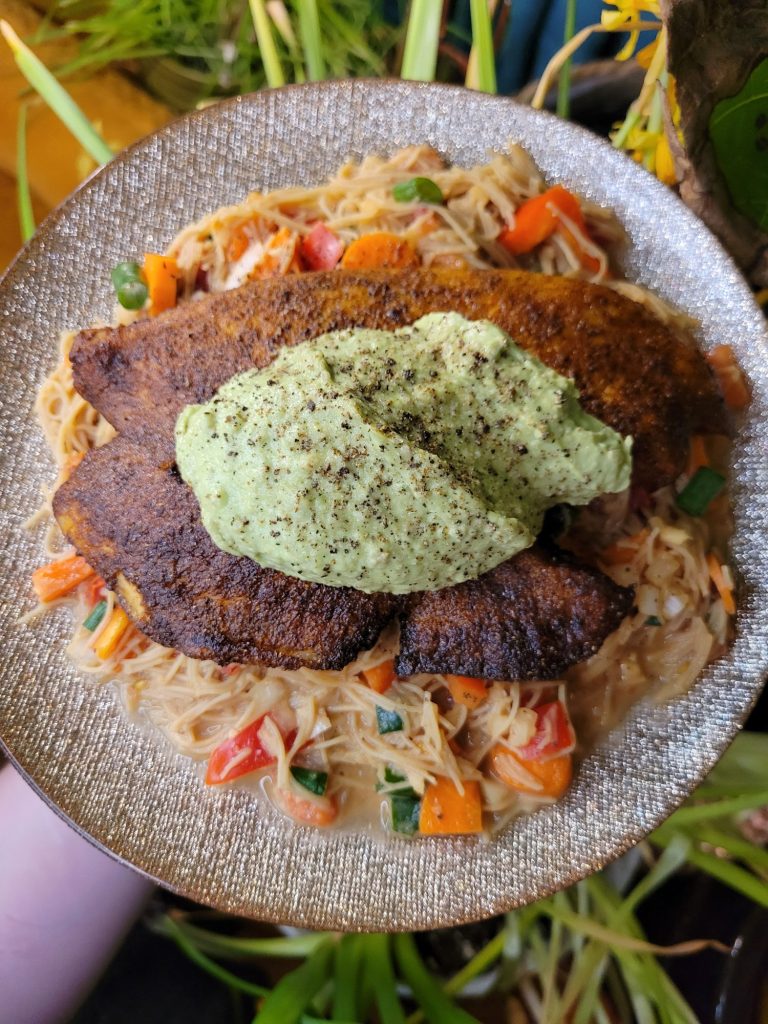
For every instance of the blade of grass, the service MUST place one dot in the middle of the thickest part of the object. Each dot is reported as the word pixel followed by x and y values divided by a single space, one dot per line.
pixel 755 857
pixel 382 979
pixel 172 930
pixel 437 1006
pixel 295 991
pixel 289 947
pixel 311 40
pixel 671 860
pixel 481 70
pixel 422 40
pixel 694 813
pixel 23 195
pixel 348 957
pixel 563 107
pixel 273 69
pixel 616 940
pixel 731 874
pixel 57 98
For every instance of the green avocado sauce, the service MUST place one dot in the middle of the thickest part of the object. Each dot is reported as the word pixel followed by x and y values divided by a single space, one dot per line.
pixel 394 460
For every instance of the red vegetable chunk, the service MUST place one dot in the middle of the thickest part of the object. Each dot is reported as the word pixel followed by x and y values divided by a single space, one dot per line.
pixel 321 249
pixel 246 740
pixel 554 733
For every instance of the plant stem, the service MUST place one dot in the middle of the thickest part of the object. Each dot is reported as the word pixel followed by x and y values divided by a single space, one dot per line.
pixel 564 82
pixel 311 41
pixel 23 195
pixel 273 69
pixel 482 60
pixel 422 40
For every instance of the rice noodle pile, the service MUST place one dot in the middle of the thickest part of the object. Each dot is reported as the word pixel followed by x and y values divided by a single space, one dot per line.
pixel 199 704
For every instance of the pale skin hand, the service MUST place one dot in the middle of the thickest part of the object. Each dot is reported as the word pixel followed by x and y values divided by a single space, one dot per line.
pixel 64 908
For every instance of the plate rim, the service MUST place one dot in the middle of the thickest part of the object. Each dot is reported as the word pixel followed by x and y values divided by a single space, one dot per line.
pixel 342 88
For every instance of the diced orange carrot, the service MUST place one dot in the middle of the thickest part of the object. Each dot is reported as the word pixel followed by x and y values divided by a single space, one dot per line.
pixel 319 811
pixel 624 550
pixel 379 249
pixel 162 275
pixel 554 775
pixel 447 812
pixel 697 455
pixel 717 577
pixel 734 388
pixel 112 634
pixel 467 691
pixel 380 677
pixel 238 242
pixel 536 219
pixel 60 577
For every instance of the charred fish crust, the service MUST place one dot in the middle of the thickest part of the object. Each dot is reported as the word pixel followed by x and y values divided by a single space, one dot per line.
pixel 634 373
pixel 530 618
pixel 127 511
pixel 199 599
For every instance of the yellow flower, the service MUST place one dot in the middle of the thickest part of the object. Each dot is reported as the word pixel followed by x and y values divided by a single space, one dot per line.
pixel 664 165
pixel 629 12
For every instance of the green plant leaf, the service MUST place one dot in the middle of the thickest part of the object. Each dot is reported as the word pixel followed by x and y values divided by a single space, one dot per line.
pixel 437 1006
pixel 272 66
pixel 311 40
pixel 295 991
pixel 422 40
pixel 23 194
pixel 382 979
pixel 564 82
pixel 57 98
pixel 738 129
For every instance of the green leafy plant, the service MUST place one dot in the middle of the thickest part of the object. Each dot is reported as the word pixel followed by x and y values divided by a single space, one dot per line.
pixel 738 129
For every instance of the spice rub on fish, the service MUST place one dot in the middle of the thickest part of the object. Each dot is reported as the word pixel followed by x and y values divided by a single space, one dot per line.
pixel 134 520
pixel 483 628
pixel 531 617
pixel 632 371
pixel 137 523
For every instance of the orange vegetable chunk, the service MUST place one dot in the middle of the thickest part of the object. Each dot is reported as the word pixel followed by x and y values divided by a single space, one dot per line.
pixel 447 812
pixel 467 691
pixel 381 677
pixel 162 274
pixel 60 577
pixel 112 634
pixel 379 249
pixel 553 776
pixel 319 811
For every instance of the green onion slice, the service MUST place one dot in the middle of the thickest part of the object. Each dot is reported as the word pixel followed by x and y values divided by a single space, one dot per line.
pixel 95 616
pixel 423 189
pixel 653 620
pixel 315 782
pixel 704 485
pixel 405 813
pixel 388 721
pixel 393 778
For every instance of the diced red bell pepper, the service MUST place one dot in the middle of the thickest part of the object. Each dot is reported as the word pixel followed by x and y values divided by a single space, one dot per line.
pixel 258 757
pixel 554 733
pixel 321 249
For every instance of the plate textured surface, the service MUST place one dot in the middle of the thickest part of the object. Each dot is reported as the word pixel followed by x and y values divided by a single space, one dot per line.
pixel 122 785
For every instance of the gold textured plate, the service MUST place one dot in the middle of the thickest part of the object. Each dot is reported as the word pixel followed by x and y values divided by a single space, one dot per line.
pixel 123 786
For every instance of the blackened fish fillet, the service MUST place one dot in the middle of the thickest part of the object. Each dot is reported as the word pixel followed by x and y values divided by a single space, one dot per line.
pixel 138 524
pixel 633 372
pixel 129 514
pixel 529 618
